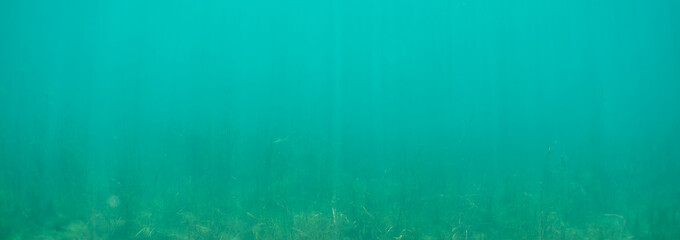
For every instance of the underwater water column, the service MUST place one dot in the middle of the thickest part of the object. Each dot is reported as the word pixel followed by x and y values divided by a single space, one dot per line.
pixel 297 119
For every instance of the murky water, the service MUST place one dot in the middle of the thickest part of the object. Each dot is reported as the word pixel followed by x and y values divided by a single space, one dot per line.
pixel 463 119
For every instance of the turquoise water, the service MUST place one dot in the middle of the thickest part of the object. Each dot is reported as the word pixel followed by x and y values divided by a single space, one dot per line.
pixel 294 119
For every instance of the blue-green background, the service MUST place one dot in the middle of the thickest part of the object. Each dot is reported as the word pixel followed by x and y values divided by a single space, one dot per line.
pixel 379 119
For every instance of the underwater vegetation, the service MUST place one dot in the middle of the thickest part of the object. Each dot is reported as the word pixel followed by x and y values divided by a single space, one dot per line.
pixel 286 196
